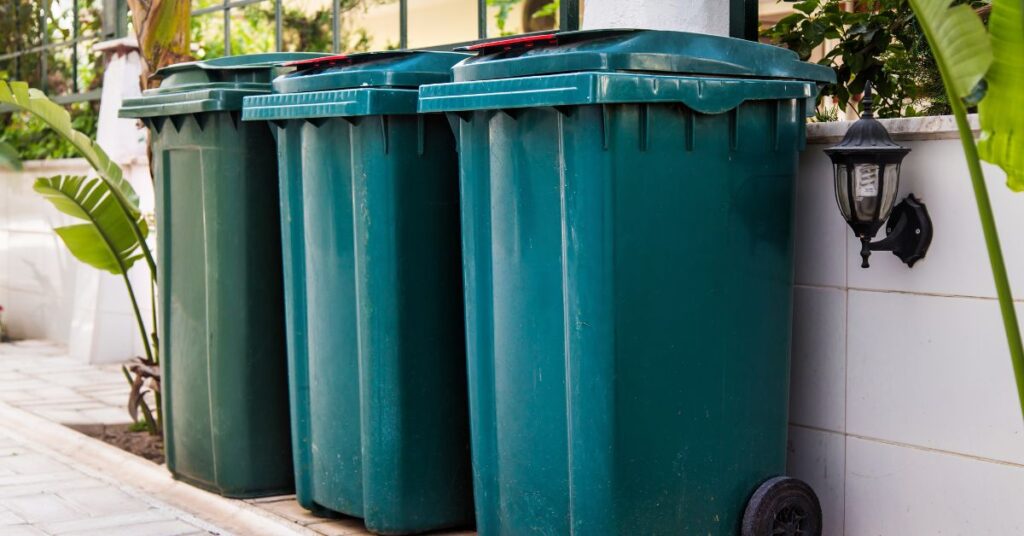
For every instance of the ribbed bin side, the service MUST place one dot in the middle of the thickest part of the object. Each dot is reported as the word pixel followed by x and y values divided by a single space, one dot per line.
pixel 222 327
pixel 628 272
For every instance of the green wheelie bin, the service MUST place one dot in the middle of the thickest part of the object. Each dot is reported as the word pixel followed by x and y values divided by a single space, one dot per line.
pixel 372 265
pixel 627 209
pixel 221 303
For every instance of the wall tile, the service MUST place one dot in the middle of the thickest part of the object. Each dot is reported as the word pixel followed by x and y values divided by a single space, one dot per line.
pixel 900 491
pixel 932 371
pixel 818 378
pixel 820 231
pixel 819 458
pixel 37 262
pixel 957 262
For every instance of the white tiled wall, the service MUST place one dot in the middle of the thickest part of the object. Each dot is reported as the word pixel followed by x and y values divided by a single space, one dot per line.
pixel 904 414
pixel 45 292
pixel 36 271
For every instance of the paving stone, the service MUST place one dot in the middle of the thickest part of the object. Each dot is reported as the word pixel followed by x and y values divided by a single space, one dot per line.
pixel 8 518
pixel 42 508
pixel 16 395
pixel 340 527
pixel 19 480
pixel 12 450
pixel 76 481
pixel 23 530
pixel 104 501
pixel 108 415
pixel 29 463
pixel 158 528
pixel 107 521
pixel 292 511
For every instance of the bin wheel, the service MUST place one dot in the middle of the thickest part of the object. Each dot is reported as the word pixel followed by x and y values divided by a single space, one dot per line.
pixel 783 506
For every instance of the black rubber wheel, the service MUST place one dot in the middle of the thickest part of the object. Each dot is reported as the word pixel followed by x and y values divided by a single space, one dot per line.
pixel 783 506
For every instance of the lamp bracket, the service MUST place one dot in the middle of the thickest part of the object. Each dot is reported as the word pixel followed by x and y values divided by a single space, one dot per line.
pixel 908 233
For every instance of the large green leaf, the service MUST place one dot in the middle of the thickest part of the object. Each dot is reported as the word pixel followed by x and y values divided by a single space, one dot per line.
pixel 1002 109
pixel 106 241
pixel 9 158
pixel 19 95
pixel 958 40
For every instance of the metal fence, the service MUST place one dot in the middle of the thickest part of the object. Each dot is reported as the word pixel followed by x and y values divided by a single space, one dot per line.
pixel 115 24
pixel 568 18
pixel 114 17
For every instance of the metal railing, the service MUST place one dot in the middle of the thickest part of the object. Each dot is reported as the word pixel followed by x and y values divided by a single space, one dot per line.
pixel 568 18
pixel 743 23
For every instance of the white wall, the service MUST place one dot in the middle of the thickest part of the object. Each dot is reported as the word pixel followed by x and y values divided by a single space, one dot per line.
pixel 36 272
pixel 904 414
pixel 42 286
pixel 701 16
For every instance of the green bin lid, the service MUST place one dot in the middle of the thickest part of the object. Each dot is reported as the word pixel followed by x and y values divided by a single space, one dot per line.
pixel 372 83
pixel 648 51
pixel 211 85
pixel 396 68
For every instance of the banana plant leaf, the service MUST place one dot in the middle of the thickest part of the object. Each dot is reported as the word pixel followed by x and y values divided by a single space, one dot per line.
pixel 19 95
pixel 959 40
pixel 9 158
pixel 162 27
pixel 106 240
pixel 1002 110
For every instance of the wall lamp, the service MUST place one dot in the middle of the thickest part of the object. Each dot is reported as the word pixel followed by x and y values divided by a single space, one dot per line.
pixel 867 179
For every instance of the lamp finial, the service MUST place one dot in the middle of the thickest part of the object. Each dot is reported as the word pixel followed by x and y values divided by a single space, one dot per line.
pixel 868 102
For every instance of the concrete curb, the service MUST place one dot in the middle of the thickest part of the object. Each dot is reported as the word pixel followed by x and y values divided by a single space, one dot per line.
pixel 144 478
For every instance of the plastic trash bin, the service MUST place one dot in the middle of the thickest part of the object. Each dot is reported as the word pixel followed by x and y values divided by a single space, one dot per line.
pixel 627 208
pixel 370 219
pixel 225 393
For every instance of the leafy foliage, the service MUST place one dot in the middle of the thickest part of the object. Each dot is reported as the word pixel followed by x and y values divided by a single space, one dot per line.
pixel 20 96
pixel 36 141
pixel 1002 109
pixel 881 42
pixel 144 377
pixel 9 158
pixel 113 235
pixel 963 52
pixel 105 241
pixel 20 29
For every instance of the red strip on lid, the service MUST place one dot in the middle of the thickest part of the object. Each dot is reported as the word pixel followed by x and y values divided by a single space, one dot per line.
pixel 312 62
pixel 508 44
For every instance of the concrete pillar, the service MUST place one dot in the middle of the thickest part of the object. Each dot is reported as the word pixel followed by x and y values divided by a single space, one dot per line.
pixel 103 327
pixel 698 16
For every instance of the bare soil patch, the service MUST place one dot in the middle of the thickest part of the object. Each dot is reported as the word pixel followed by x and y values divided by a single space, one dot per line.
pixel 121 436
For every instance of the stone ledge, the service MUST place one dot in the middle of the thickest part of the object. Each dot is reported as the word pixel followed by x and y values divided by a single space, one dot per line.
pixel 938 127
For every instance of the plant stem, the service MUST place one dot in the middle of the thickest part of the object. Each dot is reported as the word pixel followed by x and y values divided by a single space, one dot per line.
pixel 995 252
pixel 138 315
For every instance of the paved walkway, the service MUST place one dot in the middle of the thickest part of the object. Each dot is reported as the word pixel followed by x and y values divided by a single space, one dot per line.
pixel 38 376
pixel 44 492
pixel 41 493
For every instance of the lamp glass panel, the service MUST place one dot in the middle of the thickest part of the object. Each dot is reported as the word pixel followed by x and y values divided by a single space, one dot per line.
pixel 842 192
pixel 865 191
pixel 890 188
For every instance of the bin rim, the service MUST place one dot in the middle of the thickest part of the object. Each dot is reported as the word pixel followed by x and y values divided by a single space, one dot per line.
pixel 243 62
pixel 635 50
pixel 396 69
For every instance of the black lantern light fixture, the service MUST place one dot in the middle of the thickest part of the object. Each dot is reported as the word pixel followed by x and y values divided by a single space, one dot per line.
pixel 867 179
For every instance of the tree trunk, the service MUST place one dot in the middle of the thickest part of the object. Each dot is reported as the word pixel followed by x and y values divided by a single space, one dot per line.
pixel 163 30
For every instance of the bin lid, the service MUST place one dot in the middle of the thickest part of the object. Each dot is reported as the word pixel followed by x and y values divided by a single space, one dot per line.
pixel 348 85
pixel 210 85
pixel 395 68
pixel 648 51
